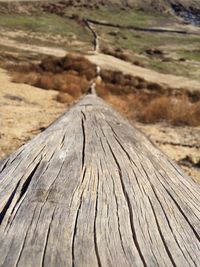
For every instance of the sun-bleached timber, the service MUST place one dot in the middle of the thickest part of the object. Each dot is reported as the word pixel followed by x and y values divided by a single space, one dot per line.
pixel 91 190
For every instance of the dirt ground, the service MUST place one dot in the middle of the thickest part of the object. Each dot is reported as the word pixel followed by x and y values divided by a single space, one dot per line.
pixel 26 111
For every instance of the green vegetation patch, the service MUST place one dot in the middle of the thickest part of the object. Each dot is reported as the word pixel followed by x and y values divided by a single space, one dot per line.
pixel 44 23
pixel 193 54
pixel 140 41
pixel 123 17
pixel 176 49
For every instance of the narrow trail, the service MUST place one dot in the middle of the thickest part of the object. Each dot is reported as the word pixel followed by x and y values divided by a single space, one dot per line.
pixel 96 43
pixel 96 47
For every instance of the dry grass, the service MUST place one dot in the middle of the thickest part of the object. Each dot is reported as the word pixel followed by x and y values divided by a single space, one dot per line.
pixel 133 96
pixel 29 78
pixel 152 109
pixel 64 98
pixel 74 62
pixel 117 52
pixel 70 74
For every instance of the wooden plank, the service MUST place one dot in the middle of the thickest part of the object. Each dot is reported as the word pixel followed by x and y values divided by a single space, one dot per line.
pixel 91 190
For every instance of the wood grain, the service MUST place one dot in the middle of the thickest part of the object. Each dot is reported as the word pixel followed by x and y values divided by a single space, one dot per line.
pixel 91 190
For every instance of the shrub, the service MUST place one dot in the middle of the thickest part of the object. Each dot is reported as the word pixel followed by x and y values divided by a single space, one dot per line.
pixel 120 104
pixel 154 87
pixel 180 112
pixel 79 64
pixel 157 110
pixel 49 64
pixel 30 78
pixel 196 114
pixel 64 98
pixel 141 85
pixel 102 91
pixel 118 52
pixel 72 89
pixel 175 110
pixel 106 76
pixel 45 81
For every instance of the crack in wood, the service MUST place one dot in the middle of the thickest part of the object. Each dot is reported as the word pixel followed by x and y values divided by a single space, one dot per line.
pixel 168 223
pixel 118 220
pixel 161 235
pixel 26 184
pixel 47 238
pixel 84 141
pixel 95 217
pixel 185 217
pixel 24 240
pixel 3 164
pixel 129 207
pixel 8 203
pixel 75 231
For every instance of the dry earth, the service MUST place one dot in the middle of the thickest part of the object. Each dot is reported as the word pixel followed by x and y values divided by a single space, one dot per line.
pixel 24 112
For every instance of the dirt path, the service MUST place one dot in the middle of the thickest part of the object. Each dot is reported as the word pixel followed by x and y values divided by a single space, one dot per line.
pixel 7 42
pixel 110 62
pixel 96 44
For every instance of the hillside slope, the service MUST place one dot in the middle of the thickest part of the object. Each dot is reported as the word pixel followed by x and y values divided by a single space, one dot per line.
pixel 189 10
pixel 155 4
pixel 162 5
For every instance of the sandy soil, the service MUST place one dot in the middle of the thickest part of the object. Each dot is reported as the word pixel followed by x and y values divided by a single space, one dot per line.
pixel 24 112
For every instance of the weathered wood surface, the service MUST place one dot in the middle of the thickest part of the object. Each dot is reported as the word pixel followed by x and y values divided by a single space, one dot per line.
pixel 91 190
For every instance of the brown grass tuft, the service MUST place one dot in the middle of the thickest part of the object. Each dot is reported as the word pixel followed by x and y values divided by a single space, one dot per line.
pixel 71 62
pixel 118 53
pixel 175 110
pixel 45 81
pixel 102 91
pixel 29 78
pixel 157 110
pixel 151 108
pixel 64 98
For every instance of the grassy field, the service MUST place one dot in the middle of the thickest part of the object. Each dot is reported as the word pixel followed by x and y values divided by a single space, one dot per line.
pixel 124 17
pixel 45 29
pixel 140 41
pixel 190 54
pixel 180 53
pixel 44 23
